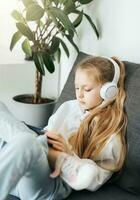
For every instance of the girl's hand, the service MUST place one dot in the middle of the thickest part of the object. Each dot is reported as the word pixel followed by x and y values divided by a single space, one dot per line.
pixel 52 156
pixel 56 159
pixel 57 142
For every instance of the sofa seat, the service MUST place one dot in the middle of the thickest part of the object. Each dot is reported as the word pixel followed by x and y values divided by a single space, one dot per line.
pixel 108 192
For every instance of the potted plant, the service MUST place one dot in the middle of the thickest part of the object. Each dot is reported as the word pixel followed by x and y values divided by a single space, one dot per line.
pixel 44 26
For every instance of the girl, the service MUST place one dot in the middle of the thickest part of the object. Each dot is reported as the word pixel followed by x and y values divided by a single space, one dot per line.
pixel 84 140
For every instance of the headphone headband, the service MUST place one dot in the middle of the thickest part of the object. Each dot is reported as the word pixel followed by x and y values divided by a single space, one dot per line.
pixel 109 90
pixel 116 69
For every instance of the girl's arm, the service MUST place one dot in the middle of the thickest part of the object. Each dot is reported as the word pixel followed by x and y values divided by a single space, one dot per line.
pixel 78 173
pixel 83 173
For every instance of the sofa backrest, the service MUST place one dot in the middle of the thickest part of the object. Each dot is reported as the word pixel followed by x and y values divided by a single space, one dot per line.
pixel 129 176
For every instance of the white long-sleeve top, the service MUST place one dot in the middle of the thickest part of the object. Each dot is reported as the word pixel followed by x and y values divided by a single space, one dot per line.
pixel 82 173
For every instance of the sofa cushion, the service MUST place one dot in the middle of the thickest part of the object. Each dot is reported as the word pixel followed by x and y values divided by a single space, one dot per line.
pixel 129 177
pixel 108 192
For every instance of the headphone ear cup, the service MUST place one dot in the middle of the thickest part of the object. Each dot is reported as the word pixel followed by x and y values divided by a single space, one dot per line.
pixel 109 91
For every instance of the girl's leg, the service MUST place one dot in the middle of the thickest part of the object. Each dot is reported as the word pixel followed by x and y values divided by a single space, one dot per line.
pixel 37 184
pixel 24 161
pixel 24 166
pixel 10 126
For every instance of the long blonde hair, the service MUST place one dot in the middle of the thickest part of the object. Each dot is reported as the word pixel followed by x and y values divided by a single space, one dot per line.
pixel 104 120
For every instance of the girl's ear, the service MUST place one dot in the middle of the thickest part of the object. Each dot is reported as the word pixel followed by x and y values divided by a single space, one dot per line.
pixel 109 91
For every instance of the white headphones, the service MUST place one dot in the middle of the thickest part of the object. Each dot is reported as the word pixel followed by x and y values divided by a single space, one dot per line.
pixel 109 90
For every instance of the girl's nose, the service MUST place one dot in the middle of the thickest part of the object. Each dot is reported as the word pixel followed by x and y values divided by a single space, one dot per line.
pixel 80 94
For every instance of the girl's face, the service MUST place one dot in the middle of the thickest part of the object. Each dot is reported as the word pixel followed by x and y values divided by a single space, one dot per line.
pixel 87 89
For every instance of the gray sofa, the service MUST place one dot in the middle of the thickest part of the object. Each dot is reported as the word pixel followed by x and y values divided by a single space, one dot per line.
pixel 124 185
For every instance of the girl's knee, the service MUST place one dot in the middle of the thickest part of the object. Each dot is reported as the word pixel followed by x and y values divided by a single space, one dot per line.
pixel 27 145
pixel 24 140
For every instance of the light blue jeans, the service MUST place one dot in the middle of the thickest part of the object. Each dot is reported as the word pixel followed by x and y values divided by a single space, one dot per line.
pixel 24 167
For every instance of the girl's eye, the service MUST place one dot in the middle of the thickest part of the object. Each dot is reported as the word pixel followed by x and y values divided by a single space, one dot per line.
pixel 88 90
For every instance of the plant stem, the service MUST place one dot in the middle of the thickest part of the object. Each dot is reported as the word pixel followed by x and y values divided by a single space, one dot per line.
pixel 48 35
pixel 38 87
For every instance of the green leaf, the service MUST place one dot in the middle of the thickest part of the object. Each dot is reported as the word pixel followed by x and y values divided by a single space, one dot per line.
pixel 40 23
pixel 34 12
pixel 37 58
pixel 65 48
pixel 47 3
pixel 72 42
pixel 69 6
pixel 17 16
pixel 85 1
pixel 92 24
pixel 62 17
pixel 78 20
pixel 44 2
pixel 28 2
pixel 56 2
pixel 15 38
pixel 48 62
pixel 26 47
pixel 54 45
pixel 53 18
pixel 25 30
pixel 58 55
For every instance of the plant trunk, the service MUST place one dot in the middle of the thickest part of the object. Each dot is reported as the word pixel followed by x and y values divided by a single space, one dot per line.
pixel 38 87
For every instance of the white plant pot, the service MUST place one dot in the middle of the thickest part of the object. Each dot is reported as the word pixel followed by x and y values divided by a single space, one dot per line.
pixel 33 114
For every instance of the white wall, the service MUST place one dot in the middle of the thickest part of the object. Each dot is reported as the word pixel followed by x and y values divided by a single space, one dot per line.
pixel 118 22
pixel 119 26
